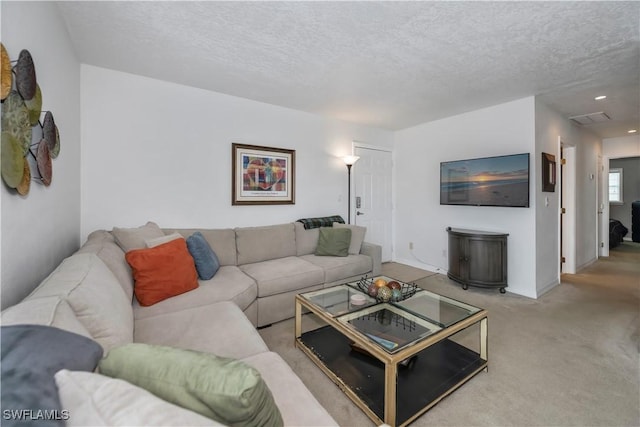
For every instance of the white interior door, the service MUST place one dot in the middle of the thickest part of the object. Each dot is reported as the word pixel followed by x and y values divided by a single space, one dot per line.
pixel 600 206
pixel 568 219
pixel 373 196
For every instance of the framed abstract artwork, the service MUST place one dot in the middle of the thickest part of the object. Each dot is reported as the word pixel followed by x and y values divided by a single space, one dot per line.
pixel 262 175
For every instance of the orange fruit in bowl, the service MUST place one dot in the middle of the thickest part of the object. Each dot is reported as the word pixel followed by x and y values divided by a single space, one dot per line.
pixel 394 285
pixel 380 282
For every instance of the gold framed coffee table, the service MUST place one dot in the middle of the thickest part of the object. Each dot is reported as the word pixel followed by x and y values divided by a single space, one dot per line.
pixel 394 360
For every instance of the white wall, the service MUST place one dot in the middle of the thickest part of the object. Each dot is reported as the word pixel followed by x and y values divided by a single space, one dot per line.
pixel 41 229
pixel 419 218
pixel 549 126
pixel 626 146
pixel 588 150
pixel 159 151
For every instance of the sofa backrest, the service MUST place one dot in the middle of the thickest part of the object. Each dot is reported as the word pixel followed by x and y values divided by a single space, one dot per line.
pixel 306 240
pixel 103 244
pixel 255 244
pixel 48 311
pixel 222 241
pixel 95 295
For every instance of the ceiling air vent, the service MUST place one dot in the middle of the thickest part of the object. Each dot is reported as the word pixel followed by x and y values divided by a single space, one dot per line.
pixel 587 119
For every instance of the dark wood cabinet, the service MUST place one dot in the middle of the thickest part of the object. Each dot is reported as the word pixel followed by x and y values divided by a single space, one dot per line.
pixel 478 258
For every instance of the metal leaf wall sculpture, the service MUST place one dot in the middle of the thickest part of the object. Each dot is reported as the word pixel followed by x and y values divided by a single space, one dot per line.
pixel 21 110
pixel 6 76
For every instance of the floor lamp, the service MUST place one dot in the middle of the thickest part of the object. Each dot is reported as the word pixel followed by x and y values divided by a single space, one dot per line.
pixel 349 161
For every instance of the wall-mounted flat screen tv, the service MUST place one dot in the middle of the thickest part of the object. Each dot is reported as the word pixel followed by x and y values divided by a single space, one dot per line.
pixel 488 181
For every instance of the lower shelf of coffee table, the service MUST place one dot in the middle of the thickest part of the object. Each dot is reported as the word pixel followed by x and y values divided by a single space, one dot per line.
pixel 435 371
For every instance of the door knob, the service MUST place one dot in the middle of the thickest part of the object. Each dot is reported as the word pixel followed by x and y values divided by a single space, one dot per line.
pixel 359 213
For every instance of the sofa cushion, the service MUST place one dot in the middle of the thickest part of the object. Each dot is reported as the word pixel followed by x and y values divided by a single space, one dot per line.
pixel 255 244
pixel 207 263
pixel 357 236
pixel 222 241
pixel 48 311
pixel 297 405
pixel 30 356
pixel 333 242
pixel 134 238
pixel 337 268
pixel 224 389
pixel 283 274
pixel 162 272
pixel 306 240
pixel 94 295
pixel 229 284
pixel 97 400
pixel 220 328
pixel 103 244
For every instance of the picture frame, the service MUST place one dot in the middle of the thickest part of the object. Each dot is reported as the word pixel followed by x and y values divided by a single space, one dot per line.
pixel 262 175
pixel 548 172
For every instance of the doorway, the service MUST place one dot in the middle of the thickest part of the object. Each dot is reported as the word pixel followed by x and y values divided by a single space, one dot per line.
pixel 633 173
pixel 373 195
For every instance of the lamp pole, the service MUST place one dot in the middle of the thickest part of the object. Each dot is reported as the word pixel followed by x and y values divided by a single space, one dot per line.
pixel 349 161
pixel 349 195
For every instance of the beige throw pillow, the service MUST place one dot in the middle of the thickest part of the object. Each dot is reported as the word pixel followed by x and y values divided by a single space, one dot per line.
pixel 357 236
pixel 157 241
pixel 134 238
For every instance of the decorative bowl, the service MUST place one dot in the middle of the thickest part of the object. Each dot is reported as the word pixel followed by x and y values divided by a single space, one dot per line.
pixel 399 292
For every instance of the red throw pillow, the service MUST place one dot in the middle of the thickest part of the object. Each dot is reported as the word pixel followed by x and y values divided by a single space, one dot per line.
pixel 162 272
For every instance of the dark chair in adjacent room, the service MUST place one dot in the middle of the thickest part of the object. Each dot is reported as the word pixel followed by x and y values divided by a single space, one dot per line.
pixel 616 232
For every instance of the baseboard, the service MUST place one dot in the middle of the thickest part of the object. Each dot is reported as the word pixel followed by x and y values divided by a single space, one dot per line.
pixel 586 264
pixel 546 288
pixel 421 265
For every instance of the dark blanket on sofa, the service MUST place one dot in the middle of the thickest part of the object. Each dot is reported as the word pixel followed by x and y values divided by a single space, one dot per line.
pixel 323 221
pixel 616 232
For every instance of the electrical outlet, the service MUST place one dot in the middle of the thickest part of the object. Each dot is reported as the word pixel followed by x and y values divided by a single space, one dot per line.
pixel 410 246
pixel 444 253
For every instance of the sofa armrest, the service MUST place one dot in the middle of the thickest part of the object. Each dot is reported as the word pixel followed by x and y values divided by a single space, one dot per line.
pixel 375 252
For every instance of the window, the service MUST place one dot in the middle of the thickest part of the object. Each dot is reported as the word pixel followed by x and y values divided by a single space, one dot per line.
pixel 615 186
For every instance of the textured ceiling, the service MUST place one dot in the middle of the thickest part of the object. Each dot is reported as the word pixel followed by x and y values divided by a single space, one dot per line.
pixel 385 64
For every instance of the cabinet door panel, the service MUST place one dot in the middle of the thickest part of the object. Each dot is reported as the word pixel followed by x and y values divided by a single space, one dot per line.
pixel 456 253
pixel 485 260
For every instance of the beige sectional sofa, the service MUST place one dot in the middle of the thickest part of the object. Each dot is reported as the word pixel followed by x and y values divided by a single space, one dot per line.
pixel 91 293
pixel 262 269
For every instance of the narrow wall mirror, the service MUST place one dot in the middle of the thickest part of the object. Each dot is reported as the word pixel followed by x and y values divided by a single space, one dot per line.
pixel 548 172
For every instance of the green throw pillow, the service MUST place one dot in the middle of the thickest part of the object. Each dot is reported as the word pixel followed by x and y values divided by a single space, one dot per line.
pixel 226 390
pixel 333 241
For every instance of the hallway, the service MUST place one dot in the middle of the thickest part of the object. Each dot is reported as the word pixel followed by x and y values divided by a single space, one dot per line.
pixel 621 270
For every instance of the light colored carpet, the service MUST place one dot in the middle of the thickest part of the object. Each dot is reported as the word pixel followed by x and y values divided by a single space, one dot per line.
pixel 569 358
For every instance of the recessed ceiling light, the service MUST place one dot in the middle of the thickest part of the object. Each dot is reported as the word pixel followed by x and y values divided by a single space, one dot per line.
pixel 598 98
pixel 632 131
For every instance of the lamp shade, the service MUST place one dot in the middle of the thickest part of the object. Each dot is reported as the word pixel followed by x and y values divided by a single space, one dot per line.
pixel 350 160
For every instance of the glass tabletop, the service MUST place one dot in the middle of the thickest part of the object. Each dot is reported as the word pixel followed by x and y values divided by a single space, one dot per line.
pixel 337 300
pixel 439 309
pixel 393 325
pixel 389 326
